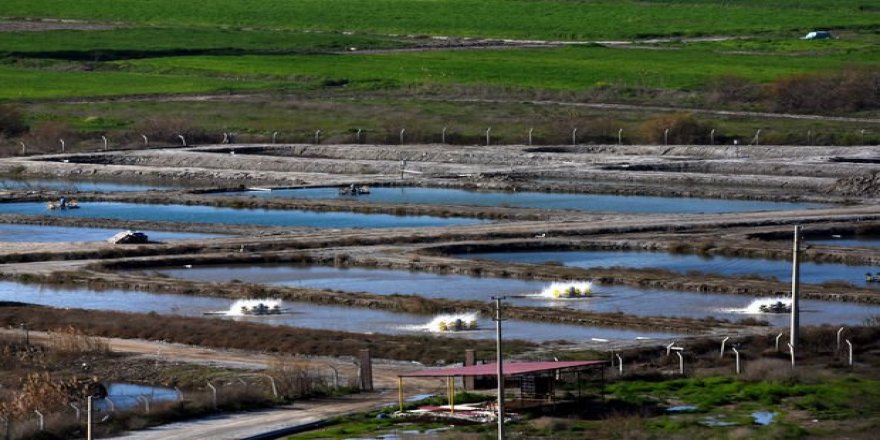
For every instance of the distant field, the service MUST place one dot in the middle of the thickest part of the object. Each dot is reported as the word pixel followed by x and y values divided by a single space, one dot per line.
pixel 546 19
pixel 96 45
pixel 23 83
pixel 571 68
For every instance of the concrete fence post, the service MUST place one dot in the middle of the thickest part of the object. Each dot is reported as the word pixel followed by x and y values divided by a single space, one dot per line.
pixel 318 136
pixel 849 344
pixel 366 369
pixel 620 137
pixel 791 351
pixel 712 137
pixel 42 420
pixel 738 365
pixel 839 332
pixel 106 142
pixel 443 136
pixel 470 358
pixel 213 394
pixel 680 363
pixel 62 144
pixel 574 135
pixel 146 140
pixel 402 135
pixel 666 137
pixel 76 411
pixel 23 148
pixel 358 136
pixel 530 135
pixel 182 140
pixel 778 337
pixel 488 136
pixel 146 401
pixel 274 136
pixel 723 341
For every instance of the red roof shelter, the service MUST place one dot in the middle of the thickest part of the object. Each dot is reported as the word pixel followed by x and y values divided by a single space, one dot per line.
pixel 510 369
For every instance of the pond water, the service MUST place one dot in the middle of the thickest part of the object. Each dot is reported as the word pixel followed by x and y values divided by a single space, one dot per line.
pixel 863 242
pixel 74 186
pixel 527 199
pixel 127 395
pixel 210 214
pixel 304 315
pixel 631 300
pixel 778 269
pixel 48 234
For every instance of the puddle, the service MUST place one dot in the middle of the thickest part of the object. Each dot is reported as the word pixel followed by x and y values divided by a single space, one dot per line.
pixel 305 315
pixel 716 421
pixel 210 214
pixel 527 199
pixel 73 186
pixel 813 273
pixel 763 418
pixel 528 293
pixel 681 408
pixel 49 234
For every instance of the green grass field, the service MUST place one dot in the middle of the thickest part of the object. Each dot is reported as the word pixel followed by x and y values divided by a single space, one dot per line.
pixel 572 68
pixel 597 19
pixel 303 49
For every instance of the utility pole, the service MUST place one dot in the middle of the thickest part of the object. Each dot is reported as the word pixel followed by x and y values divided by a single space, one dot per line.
pixel 795 287
pixel 89 418
pixel 498 360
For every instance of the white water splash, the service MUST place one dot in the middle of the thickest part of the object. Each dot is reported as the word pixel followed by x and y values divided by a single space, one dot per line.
pixel 754 308
pixel 568 289
pixel 453 322
pixel 239 306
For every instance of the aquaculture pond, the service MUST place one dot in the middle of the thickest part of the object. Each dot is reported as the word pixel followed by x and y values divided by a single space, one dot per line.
pixel 49 234
pixel 630 300
pixel 730 266
pixel 124 396
pixel 211 214
pixel 304 315
pixel 74 186
pixel 856 241
pixel 529 199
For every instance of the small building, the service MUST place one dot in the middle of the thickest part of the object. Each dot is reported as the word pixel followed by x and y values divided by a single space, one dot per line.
pixel 818 35
pixel 535 380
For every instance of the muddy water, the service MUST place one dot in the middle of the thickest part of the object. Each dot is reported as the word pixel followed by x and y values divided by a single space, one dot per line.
pixel 301 314
pixel 210 214
pixel 630 300
pixel 778 269
pixel 579 202
pixel 77 186
pixel 51 234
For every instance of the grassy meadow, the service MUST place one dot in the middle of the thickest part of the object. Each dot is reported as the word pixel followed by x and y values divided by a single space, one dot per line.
pixel 336 55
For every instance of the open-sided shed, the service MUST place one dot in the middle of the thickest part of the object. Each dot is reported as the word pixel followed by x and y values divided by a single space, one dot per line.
pixel 544 369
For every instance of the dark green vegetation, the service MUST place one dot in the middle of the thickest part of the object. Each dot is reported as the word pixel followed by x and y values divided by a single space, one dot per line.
pixel 336 66
pixel 596 19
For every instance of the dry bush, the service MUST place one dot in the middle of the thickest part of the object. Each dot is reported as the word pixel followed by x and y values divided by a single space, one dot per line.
pixel 732 89
pixel 684 129
pixel 768 369
pixel 847 91
pixel 295 380
pixel 167 128
pixel 46 135
pixel 71 340
pixel 11 121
